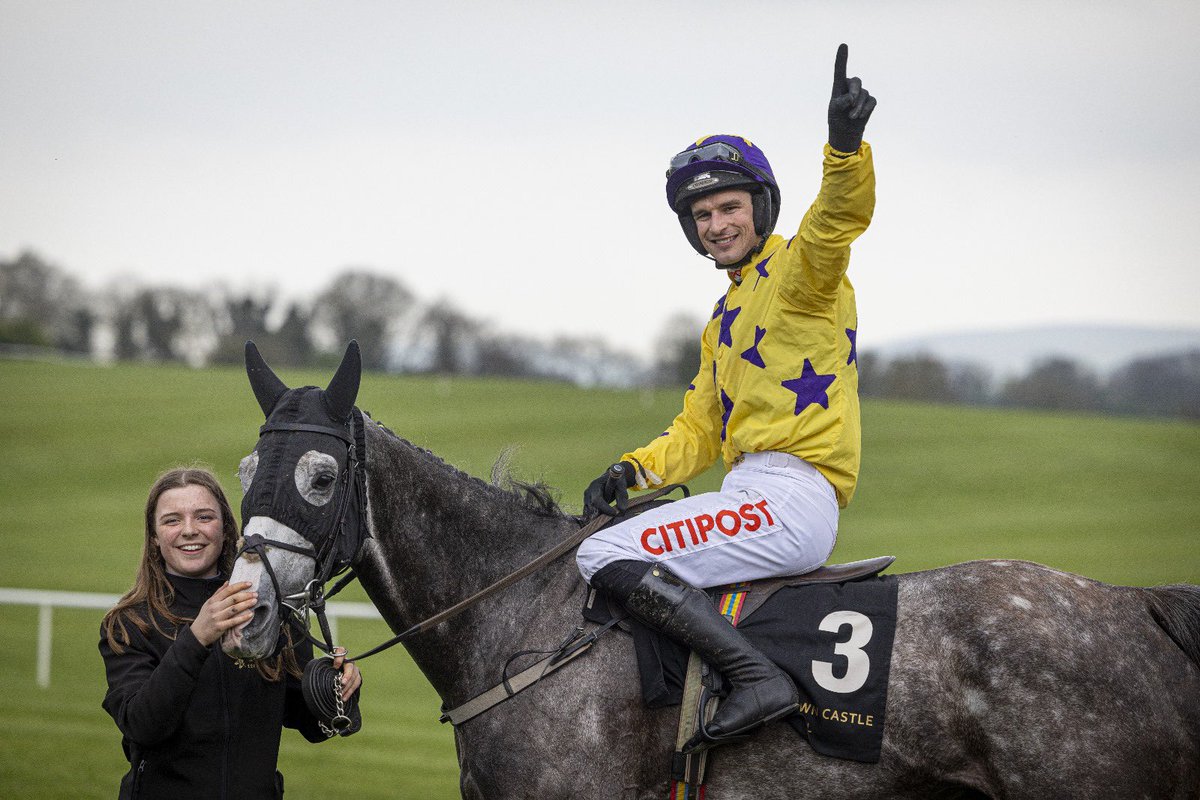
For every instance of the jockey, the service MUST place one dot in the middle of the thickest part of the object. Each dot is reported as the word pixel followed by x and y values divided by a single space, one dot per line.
pixel 776 396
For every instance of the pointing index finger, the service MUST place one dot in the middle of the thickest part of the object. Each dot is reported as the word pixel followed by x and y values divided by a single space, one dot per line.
pixel 839 70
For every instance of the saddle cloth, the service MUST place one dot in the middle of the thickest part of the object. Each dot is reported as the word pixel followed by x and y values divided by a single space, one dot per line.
pixel 831 631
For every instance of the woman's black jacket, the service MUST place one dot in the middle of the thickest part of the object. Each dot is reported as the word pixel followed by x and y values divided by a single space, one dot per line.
pixel 193 724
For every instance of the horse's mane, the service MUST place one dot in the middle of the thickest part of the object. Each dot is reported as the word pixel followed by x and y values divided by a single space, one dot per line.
pixel 537 497
pixel 1176 609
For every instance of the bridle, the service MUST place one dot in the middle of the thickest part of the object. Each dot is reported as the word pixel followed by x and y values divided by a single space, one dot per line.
pixel 325 551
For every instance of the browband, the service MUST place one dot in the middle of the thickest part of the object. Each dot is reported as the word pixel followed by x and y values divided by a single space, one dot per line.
pixel 299 426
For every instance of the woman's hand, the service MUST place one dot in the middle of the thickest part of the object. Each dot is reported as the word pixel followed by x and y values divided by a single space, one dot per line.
pixel 351 677
pixel 229 607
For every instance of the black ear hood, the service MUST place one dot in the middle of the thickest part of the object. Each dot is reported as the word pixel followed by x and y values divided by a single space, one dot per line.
pixel 343 389
pixel 300 421
pixel 339 396
pixel 263 380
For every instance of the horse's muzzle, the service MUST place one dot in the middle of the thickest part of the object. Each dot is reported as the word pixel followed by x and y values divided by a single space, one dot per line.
pixel 256 638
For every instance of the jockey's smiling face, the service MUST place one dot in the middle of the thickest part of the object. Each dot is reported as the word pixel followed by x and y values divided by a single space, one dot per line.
pixel 725 222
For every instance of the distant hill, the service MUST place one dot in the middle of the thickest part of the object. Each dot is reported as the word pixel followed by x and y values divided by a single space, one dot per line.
pixel 1102 348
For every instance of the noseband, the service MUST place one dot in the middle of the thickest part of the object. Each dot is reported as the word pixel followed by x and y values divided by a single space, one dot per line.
pixel 324 551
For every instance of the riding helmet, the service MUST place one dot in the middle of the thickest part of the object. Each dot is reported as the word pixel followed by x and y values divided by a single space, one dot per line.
pixel 716 163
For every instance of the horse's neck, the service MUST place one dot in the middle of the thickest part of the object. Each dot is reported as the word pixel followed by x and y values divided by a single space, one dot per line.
pixel 440 536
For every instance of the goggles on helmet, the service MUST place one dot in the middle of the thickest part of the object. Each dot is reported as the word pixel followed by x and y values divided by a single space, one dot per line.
pixel 717 151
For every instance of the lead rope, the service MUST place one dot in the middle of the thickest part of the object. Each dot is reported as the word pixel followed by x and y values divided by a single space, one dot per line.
pixel 322 687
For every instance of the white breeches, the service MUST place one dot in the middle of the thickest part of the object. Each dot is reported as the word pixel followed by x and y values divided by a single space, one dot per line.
pixel 775 515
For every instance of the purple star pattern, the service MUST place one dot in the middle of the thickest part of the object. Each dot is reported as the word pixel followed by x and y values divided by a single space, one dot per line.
pixel 852 335
pixel 727 318
pixel 809 387
pixel 752 355
pixel 720 308
pixel 761 268
pixel 727 404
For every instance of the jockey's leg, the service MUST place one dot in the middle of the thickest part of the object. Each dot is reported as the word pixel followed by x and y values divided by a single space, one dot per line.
pixel 761 692
pixel 775 515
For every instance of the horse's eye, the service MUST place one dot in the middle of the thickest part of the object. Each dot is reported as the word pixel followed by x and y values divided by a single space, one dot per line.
pixel 316 477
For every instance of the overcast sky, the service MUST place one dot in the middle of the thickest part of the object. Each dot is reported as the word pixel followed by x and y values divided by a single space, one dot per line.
pixel 1036 161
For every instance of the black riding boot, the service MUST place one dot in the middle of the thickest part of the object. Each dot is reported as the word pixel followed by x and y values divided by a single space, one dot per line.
pixel 761 692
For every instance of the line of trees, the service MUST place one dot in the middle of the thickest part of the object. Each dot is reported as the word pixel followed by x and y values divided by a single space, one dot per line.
pixel 43 307
pixel 1166 385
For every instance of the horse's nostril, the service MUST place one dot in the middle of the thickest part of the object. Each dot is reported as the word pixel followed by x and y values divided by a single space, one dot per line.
pixel 232 638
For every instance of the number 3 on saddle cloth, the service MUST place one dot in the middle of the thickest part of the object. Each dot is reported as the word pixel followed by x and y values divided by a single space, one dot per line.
pixel 831 631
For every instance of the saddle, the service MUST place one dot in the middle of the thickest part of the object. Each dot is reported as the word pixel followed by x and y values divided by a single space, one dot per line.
pixel 758 592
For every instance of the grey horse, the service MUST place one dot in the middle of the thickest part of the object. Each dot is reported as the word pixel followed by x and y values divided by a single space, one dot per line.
pixel 1009 679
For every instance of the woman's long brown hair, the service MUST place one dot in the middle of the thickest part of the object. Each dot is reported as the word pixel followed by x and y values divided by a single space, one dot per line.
pixel 151 589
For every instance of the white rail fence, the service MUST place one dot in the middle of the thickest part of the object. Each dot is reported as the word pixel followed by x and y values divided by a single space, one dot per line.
pixel 47 601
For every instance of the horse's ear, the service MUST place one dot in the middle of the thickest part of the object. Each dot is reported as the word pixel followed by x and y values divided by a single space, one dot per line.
pixel 343 389
pixel 265 383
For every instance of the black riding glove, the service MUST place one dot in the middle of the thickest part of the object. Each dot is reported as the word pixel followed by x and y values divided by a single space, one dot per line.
pixel 613 485
pixel 849 108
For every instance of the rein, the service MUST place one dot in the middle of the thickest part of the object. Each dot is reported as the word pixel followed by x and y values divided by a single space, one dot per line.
pixel 313 597
pixel 565 546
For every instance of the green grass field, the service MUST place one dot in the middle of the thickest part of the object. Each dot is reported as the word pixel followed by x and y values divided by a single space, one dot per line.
pixel 1114 499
